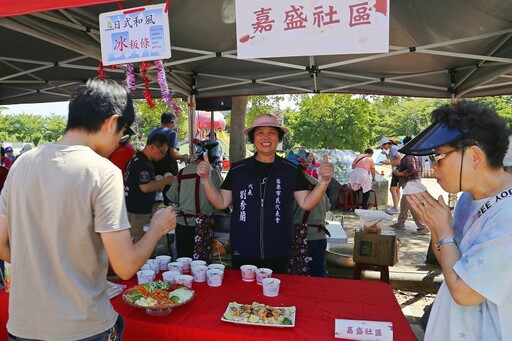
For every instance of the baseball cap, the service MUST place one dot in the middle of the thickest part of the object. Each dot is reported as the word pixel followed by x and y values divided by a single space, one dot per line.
pixel 167 117
pixel 8 149
pixel 266 121
pixel 384 140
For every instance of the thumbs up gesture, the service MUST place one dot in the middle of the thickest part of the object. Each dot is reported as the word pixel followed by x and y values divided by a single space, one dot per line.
pixel 203 169
pixel 325 171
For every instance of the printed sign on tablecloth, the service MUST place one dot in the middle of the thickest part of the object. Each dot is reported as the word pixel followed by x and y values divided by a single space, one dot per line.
pixel 311 27
pixel 135 35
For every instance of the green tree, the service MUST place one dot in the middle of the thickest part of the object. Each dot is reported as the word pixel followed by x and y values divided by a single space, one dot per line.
pixel 333 121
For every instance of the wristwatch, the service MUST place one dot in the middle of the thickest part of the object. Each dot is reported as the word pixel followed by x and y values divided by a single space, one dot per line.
pixel 445 241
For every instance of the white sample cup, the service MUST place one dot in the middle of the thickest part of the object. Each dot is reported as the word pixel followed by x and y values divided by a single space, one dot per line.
pixel 170 276
pixel 186 263
pixel 262 273
pixel 214 277
pixel 145 276
pixel 199 273
pixel 196 262
pixel 248 273
pixel 221 267
pixel 185 280
pixel 270 286
pixel 163 260
pixel 145 267
pixel 175 266
pixel 154 264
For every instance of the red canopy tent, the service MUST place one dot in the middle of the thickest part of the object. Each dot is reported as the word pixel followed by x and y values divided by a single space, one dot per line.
pixel 11 8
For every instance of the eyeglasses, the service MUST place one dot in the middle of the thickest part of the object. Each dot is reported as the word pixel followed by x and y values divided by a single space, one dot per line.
pixel 126 135
pixel 435 158
pixel 124 138
pixel 162 152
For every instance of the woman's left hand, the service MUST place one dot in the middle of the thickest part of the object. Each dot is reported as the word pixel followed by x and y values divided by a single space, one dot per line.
pixel 325 171
pixel 436 214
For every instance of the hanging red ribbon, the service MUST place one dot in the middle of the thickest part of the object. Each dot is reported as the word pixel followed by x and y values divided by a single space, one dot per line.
pixel 143 74
pixel 101 71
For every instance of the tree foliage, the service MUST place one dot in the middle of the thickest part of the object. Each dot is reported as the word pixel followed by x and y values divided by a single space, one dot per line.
pixel 31 128
pixel 333 121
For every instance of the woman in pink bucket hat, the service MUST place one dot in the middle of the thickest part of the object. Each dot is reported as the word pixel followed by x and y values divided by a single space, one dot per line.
pixel 262 189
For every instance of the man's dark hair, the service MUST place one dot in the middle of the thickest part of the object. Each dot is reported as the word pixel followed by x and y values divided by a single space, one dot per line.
pixel 368 151
pixel 250 134
pixel 94 102
pixel 486 129
pixel 158 140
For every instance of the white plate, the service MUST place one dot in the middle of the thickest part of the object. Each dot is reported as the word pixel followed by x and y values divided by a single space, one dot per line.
pixel 289 312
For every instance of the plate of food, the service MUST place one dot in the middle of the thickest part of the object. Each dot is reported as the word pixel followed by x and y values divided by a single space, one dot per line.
pixel 157 298
pixel 258 314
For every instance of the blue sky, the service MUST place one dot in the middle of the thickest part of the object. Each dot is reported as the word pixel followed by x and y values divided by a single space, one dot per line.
pixel 43 109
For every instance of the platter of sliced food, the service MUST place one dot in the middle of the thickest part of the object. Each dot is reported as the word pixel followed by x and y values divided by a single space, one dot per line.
pixel 259 314
pixel 157 298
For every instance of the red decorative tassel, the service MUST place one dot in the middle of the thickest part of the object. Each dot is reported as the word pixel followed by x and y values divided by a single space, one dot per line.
pixel 143 74
pixel 101 71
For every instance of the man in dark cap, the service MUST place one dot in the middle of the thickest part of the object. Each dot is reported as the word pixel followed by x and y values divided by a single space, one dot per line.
pixel 168 164
pixel 466 144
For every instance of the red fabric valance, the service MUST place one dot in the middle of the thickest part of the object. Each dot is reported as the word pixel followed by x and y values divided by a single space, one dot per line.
pixel 10 8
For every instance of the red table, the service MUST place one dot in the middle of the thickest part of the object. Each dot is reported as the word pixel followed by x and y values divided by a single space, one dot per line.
pixel 319 302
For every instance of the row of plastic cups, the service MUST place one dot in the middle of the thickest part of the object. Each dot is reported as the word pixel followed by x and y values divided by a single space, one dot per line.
pixel 178 266
pixel 250 273
pixel 263 277
pixel 212 276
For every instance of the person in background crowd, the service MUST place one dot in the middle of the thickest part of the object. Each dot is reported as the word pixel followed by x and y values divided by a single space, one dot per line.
pixel 309 240
pixel 312 165
pixel 261 189
pixel 26 147
pixel 123 154
pixel 362 167
pixel 409 170
pixel 467 143
pixel 393 159
pixel 168 164
pixel 140 185
pixel 60 245
pixel 10 153
pixel 4 160
pixel 195 214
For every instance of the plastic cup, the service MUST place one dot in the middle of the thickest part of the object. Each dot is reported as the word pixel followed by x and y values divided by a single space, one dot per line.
pixel 221 267
pixel 145 276
pixel 154 264
pixel 170 276
pixel 175 266
pixel 186 263
pixel 145 267
pixel 199 273
pixel 262 273
pixel 163 260
pixel 214 277
pixel 270 286
pixel 196 262
pixel 248 273
pixel 185 280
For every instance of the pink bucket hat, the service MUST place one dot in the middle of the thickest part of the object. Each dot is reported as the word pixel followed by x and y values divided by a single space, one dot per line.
pixel 266 121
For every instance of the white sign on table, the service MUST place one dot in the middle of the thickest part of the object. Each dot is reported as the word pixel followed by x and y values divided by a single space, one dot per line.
pixel 311 27
pixel 135 35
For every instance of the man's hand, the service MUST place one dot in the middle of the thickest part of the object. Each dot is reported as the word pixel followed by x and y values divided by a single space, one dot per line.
pixel 325 171
pixel 203 169
pixel 164 220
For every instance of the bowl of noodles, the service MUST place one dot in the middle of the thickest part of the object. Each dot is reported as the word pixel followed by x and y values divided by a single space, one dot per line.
pixel 157 298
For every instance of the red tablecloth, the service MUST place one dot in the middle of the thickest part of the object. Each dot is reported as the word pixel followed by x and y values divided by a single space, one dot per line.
pixel 319 302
